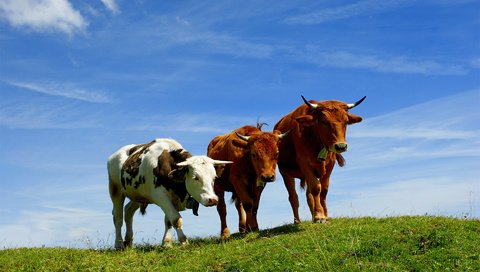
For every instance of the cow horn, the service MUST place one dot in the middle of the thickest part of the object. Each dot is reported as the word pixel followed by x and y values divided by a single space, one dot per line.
pixel 217 162
pixel 281 136
pixel 351 106
pixel 182 164
pixel 309 104
pixel 243 137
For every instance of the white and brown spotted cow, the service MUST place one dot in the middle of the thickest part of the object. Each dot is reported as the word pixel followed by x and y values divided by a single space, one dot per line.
pixel 163 173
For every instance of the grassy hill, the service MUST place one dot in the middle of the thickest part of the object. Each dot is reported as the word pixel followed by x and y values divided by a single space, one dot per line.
pixel 345 244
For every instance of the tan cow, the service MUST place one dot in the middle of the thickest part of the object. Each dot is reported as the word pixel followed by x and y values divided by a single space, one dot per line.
pixel 315 143
pixel 254 154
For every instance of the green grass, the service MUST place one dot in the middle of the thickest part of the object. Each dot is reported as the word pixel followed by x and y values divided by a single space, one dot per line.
pixel 345 244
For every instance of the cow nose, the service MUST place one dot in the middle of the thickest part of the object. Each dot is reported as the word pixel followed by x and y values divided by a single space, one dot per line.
pixel 212 202
pixel 268 178
pixel 341 147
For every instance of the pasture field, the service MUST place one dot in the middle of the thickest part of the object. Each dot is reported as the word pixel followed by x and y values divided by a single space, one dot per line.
pixel 420 243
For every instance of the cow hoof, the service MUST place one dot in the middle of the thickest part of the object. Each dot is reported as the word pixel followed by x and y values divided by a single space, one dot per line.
pixel 127 244
pixel 167 245
pixel 296 221
pixel 119 245
pixel 225 235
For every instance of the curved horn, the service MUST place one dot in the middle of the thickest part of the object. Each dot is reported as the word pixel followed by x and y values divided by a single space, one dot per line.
pixel 182 164
pixel 243 137
pixel 351 106
pixel 281 136
pixel 309 104
pixel 217 162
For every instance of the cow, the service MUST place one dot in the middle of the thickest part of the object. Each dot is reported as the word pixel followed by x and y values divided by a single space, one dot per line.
pixel 254 154
pixel 163 173
pixel 309 153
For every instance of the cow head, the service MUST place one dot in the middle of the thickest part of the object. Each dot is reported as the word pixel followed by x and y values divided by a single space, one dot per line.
pixel 199 173
pixel 262 149
pixel 329 120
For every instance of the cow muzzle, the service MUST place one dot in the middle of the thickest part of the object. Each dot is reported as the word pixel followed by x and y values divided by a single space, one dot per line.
pixel 268 178
pixel 212 202
pixel 340 147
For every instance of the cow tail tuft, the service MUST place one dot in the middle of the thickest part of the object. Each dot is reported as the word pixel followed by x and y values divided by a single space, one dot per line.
pixel 302 183
pixel 143 208
pixel 340 160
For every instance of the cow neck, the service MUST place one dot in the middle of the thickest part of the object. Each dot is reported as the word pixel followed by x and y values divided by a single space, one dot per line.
pixel 246 160
pixel 167 162
pixel 314 142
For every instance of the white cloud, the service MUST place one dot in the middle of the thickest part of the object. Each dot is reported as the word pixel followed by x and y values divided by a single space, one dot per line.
pixel 388 64
pixel 43 16
pixel 346 11
pixel 475 63
pixel 63 90
pixel 194 123
pixel 50 226
pixel 111 5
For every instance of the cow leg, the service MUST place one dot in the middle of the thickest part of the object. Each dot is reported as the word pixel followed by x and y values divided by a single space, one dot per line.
pixel 222 213
pixel 172 214
pixel 292 196
pixel 253 223
pixel 325 182
pixel 118 198
pixel 318 214
pixel 130 210
pixel 251 216
pixel 313 198
pixel 323 197
pixel 167 237
pixel 242 223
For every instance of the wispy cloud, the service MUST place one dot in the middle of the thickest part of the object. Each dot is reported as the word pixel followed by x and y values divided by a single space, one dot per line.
pixel 194 123
pixel 43 16
pixel 49 226
pixel 345 11
pixel 412 134
pixel 475 63
pixel 387 64
pixel 65 90
pixel 111 5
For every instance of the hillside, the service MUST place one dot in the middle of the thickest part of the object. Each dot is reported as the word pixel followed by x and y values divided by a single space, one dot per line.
pixel 344 244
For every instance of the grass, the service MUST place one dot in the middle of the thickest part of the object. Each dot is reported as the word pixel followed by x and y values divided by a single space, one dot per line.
pixel 420 243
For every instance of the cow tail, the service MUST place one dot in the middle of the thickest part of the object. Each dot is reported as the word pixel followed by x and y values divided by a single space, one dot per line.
pixel 340 160
pixel 143 208
pixel 302 183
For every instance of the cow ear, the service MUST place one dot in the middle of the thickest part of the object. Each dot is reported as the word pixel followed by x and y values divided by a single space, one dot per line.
pixel 352 118
pixel 239 143
pixel 178 174
pixel 305 119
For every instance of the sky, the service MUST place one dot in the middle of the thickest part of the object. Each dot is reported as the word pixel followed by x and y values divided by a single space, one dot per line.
pixel 79 79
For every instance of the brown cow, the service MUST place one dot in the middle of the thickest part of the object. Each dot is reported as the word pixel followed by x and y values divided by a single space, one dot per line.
pixel 254 154
pixel 315 143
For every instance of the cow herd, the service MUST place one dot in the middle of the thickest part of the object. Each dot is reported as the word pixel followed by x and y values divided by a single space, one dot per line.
pixel 306 143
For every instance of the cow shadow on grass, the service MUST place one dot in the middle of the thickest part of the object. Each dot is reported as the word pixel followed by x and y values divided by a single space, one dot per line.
pixel 267 233
pixel 199 242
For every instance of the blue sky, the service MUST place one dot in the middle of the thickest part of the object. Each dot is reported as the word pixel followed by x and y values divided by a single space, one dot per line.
pixel 79 79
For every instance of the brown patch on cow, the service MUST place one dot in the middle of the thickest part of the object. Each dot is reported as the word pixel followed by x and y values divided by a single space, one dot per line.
pixel 132 164
pixel 167 162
